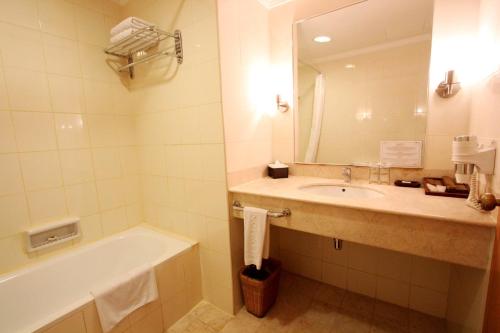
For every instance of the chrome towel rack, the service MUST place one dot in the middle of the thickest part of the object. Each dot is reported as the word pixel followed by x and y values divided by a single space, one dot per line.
pixel 237 207
pixel 138 43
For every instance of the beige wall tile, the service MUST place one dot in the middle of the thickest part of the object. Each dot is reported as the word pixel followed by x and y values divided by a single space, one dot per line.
pixel 102 130
pixel 214 167
pixel 72 131
pixel 22 12
pixel 7 137
pixel 10 175
pixel 98 96
pixel 66 94
pixel 211 123
pixel 76 166
pixel 58 17
pixel 361 282
pixel 93 63
pixel 34 131
pixel 107 163
pixel 393 291
pixel 110 193
pixel 394 265
pixel 362 257
pixel 191 157
pixel 432 274
pixel 13 214
pixel 330 255
pixel 25 47
pixel 303 265
pixel 4 99
pixel 41 170
pixel 61 56
pixel 114 221
pixel 74 323
pixel 334 275
pixel 28 90
pixel 82 199
pixel 174 160
pixel 47 205
pixel 215 203
pixel 152 322
pixel 91 229
pixel 428 301
pixel 91 27
pixel 12 252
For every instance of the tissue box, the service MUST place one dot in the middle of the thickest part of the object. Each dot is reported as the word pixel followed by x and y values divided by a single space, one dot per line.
pixel 275 172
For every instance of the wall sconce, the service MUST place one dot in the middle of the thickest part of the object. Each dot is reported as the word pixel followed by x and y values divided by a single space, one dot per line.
pixel 282 105
pixel 448 87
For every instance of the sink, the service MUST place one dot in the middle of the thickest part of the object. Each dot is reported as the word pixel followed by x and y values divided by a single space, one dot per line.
pixel 342 191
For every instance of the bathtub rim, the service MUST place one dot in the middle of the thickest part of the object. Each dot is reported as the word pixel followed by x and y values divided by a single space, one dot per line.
pixel 83 302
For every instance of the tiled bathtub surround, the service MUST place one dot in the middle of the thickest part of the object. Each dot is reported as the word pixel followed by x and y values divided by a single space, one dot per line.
pixel 177 280
pixel 67 135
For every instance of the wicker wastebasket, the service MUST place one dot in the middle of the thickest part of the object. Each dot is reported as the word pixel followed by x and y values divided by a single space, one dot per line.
pixel 260 287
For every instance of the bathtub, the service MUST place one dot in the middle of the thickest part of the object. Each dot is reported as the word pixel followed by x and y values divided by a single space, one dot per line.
pixel 32 298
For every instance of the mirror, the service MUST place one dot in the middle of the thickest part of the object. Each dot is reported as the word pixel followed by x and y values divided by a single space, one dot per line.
pixel 362 79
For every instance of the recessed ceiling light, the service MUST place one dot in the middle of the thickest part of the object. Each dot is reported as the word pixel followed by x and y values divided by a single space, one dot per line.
pixel 350 66
pixel 322 39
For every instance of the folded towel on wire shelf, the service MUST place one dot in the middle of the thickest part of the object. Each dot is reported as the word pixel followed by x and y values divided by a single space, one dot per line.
pixel 125 33
pixel 130 22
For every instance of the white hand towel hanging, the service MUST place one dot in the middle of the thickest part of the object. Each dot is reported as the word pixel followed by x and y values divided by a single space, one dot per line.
pixel 120 297
pixel 256 230
pixel 128 23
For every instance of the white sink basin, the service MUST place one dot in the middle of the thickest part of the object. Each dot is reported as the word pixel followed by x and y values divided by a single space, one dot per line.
pixel 342 191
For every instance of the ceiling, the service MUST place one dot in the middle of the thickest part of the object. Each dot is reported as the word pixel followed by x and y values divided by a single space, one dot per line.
pixel 365 25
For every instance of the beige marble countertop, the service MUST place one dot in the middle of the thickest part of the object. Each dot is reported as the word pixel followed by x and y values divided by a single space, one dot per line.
pixel 397 200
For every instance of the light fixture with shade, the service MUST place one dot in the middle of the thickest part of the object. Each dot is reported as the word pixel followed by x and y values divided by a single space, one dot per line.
pixel 281 104
pixel 322 39
pixel 449 87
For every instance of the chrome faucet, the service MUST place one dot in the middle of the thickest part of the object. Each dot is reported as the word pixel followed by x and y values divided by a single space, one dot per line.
pixel 346 173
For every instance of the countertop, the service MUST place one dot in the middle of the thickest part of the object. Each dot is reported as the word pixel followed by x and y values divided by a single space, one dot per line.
pixel 397 200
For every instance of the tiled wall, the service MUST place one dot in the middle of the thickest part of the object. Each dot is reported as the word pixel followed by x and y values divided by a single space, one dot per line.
pixel 177 280
pixel 180 137
pixel 67 136
pixel 409 281
pixel 247 95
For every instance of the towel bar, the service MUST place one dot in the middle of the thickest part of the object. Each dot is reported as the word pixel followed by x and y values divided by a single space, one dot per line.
pixel 285 212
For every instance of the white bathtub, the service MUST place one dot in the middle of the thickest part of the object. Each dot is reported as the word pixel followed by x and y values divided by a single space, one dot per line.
pixel 34 297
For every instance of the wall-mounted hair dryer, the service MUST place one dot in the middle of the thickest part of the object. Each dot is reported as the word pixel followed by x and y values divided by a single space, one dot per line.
pixel 470 158
pixel 467 154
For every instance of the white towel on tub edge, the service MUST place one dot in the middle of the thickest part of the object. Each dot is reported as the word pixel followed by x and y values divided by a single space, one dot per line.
pixel 256 232
pixel 121 296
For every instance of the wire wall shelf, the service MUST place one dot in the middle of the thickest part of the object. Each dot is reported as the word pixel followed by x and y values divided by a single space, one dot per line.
pixel 134 47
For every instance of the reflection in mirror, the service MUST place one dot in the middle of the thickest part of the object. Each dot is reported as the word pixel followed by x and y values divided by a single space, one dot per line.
pixel 362 79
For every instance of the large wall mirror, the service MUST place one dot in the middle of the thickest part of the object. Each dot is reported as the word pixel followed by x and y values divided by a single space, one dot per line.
pixel 362 79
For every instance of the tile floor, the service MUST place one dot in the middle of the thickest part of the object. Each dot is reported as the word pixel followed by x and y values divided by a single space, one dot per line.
pixel 305 305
